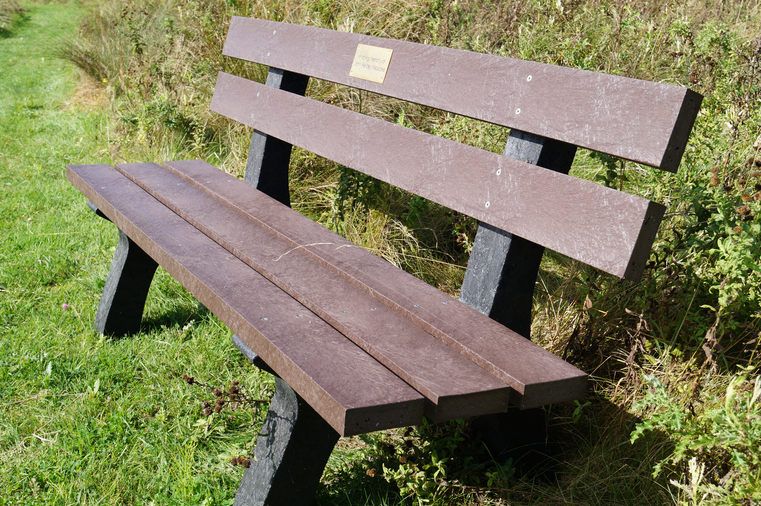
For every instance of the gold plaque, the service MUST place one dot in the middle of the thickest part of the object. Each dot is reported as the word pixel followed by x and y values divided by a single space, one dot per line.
pixel 371 63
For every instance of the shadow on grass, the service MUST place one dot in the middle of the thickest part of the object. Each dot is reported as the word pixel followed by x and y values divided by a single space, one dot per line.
pixel 586 458
pixel 15 21
pixel 176 317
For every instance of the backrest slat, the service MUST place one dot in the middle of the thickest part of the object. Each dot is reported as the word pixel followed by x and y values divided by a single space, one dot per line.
pixel 591 223
pixel 642 121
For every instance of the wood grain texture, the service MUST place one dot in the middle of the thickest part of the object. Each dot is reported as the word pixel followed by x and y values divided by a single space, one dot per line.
pixel 586 221
pixel 638 120
pixel 537 376
pixel 455 386
pixel 350 389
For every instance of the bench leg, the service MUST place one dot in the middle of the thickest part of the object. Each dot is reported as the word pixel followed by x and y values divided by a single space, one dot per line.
pixel 520 435
pixel 121 306
pixel 290 454
pixel 500 283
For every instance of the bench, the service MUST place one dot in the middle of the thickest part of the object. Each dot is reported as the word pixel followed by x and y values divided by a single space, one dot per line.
pixel 356 344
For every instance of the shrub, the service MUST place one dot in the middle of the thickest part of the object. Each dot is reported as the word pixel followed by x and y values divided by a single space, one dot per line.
pixel 716 438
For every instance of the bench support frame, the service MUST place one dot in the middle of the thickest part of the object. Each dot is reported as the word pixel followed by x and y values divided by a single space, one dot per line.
pixel 120 310
pixel 292 449
pixel 503 267
pixel 499 282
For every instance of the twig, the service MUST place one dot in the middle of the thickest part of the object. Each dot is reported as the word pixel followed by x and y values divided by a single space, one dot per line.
pixel 38 396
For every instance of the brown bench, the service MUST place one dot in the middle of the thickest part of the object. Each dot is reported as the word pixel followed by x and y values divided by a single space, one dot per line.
pixel 357 344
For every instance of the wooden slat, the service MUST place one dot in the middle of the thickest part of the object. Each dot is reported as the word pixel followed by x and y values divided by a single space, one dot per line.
pixel 350 390
pixel 638 120
pixel 456 386
pixel 537 376
pixel 599 226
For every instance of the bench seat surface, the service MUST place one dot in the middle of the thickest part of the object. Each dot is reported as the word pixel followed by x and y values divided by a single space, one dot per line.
pixel 413 329
pixel 350 389
pixel 536 376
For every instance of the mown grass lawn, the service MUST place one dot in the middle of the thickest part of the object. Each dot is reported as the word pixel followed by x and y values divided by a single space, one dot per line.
pixel 83 419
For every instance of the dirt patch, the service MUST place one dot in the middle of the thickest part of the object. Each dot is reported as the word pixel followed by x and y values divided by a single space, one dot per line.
pixel 90 94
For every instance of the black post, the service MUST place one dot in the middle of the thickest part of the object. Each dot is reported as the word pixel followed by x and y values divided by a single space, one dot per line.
pixel 268 157
pixel 120 310
pixel 500 283
pixel 291 452
pixel 295 442
pixel 503 267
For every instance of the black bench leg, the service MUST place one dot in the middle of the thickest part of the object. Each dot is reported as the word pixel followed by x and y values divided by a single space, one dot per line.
pixel 291 451
pixel 121 306
pixel 500 283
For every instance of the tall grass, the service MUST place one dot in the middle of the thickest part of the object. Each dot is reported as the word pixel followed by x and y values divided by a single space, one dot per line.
pixel 684 333
pixel 8 10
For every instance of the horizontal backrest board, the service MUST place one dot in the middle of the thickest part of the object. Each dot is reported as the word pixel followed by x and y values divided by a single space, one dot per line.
pixel 642 121
pixel 586 221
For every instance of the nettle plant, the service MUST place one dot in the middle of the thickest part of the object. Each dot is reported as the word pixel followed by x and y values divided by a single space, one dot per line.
pixel 716 438
pixel 719 237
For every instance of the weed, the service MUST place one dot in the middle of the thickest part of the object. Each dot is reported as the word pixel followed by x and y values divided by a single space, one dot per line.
pixel 717 438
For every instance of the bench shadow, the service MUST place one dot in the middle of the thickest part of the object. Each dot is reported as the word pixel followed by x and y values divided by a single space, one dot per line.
pixel 178 316
pixel 586 455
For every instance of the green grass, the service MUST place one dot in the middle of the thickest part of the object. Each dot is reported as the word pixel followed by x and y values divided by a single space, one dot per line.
pixel 83 419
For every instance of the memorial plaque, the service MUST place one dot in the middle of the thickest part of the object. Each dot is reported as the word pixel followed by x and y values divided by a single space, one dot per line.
pixel 371 63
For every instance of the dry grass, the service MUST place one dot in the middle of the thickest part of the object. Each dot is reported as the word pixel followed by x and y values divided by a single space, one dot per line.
pixel 90 94
pixel 8 10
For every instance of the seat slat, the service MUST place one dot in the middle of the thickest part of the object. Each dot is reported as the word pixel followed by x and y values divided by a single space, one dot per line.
pixel 599 226
pixel 537 376
pixel 638 120
pixel 350 389
pixel 456 386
